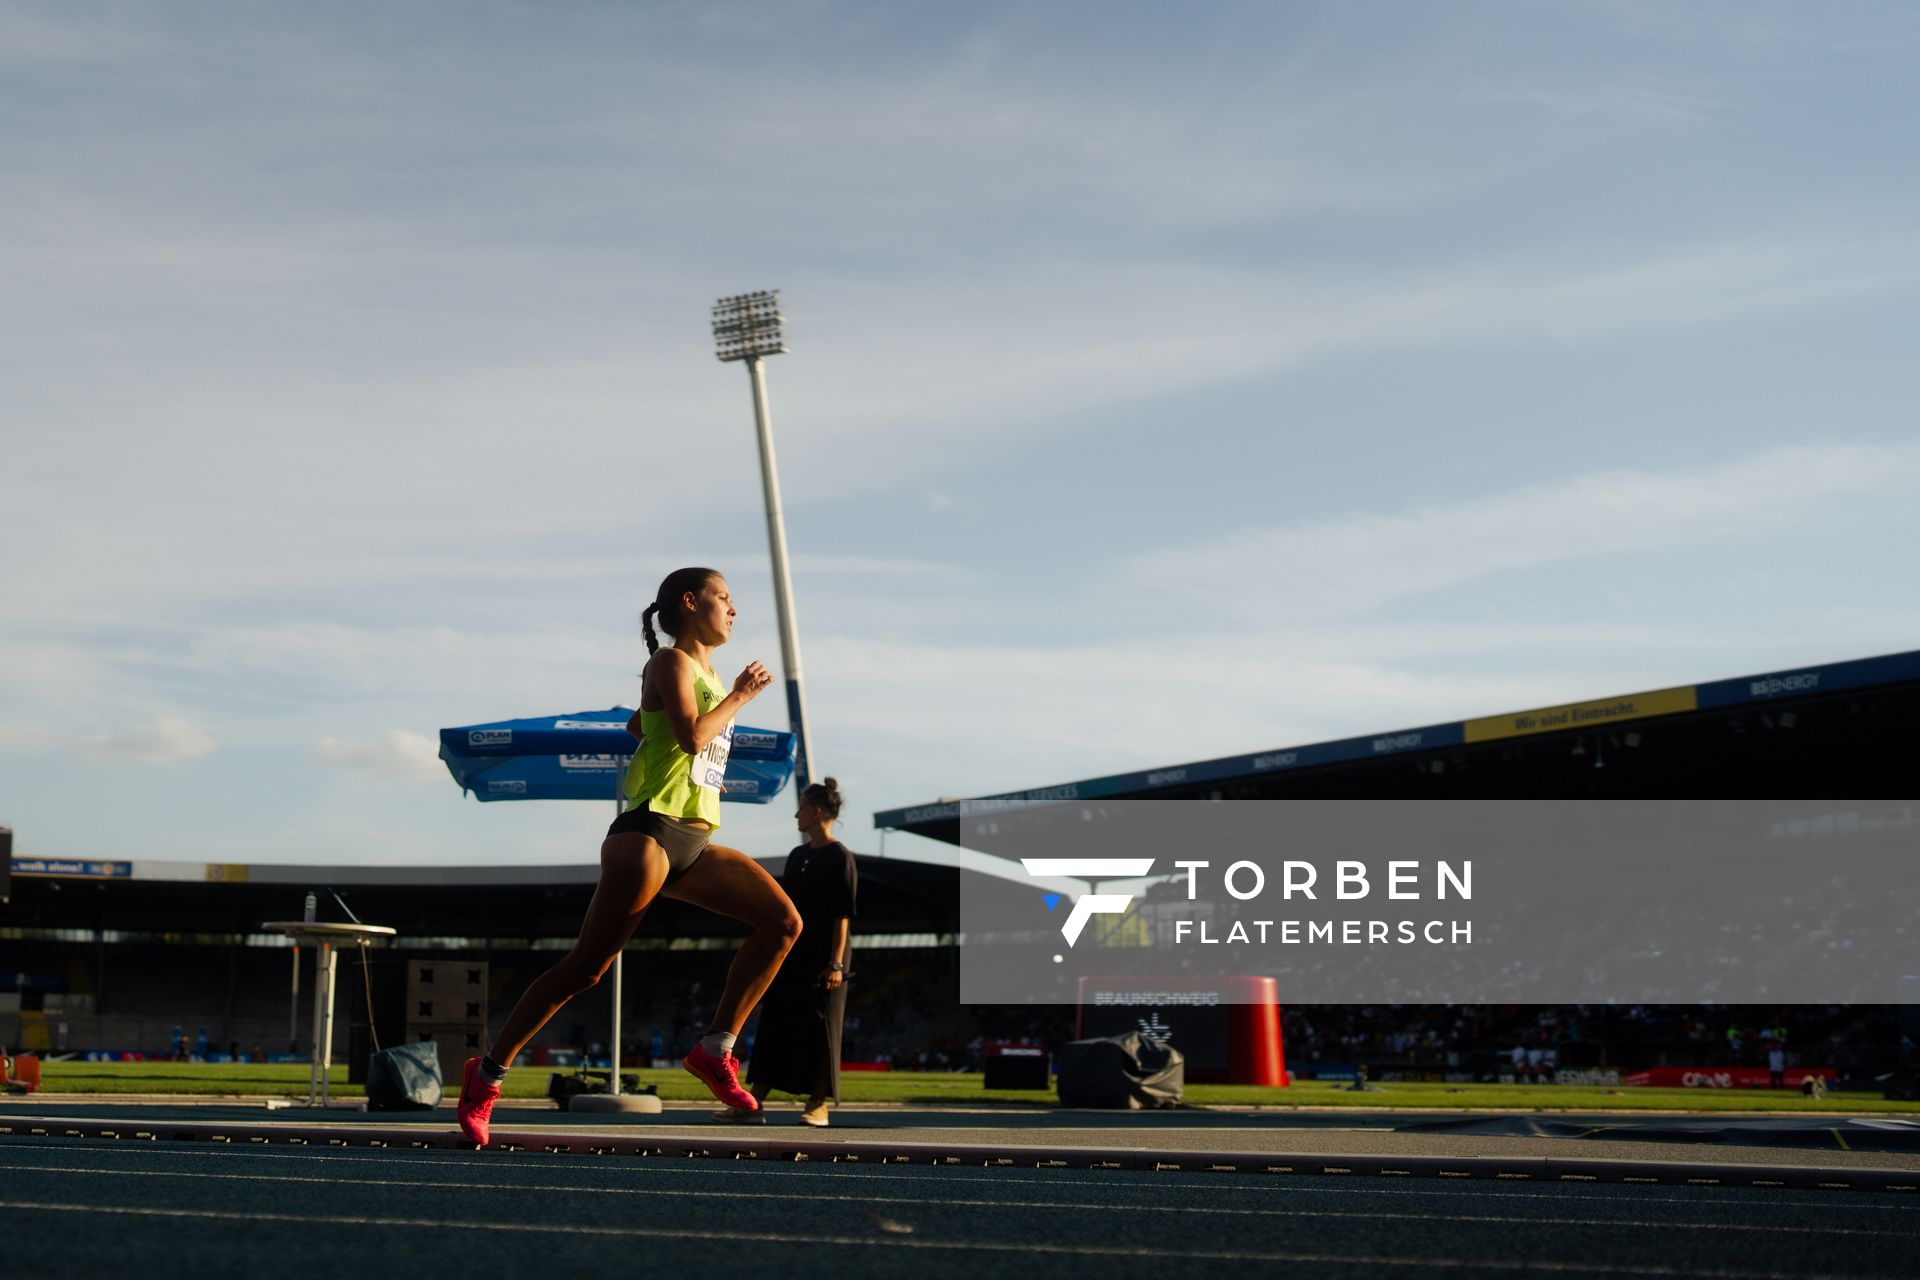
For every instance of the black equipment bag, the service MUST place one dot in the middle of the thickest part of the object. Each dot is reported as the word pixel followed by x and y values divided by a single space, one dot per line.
pixel 1134 1071
pixel 404 1078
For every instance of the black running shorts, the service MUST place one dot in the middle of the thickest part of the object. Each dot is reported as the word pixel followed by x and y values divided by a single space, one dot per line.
pixel 683 841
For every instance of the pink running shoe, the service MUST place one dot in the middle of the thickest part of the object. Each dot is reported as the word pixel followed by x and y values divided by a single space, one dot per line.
pixel 722 1075
pixel 477 1096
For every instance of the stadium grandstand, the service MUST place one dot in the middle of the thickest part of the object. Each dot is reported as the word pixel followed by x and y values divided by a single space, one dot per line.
pixel 111 956
pixel 1844 730
pixel 104 956
pixel 1848 729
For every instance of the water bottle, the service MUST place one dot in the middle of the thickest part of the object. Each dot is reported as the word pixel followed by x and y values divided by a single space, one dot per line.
pixel 313 907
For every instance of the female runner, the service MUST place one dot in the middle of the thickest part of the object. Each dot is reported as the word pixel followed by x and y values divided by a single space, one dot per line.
pixel 661 844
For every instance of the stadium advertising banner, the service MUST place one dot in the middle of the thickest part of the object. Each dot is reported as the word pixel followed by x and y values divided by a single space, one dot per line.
pixel 1726 1077
pixel 1450 902
pixel 73 868
pixel 1582 715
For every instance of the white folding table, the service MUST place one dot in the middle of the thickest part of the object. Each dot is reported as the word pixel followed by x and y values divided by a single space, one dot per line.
pixel 325 935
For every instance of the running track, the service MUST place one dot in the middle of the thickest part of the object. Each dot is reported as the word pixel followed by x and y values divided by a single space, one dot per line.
pixel 88 1207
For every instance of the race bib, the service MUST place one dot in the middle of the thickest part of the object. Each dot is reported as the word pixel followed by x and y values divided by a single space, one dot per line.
pixel 709 768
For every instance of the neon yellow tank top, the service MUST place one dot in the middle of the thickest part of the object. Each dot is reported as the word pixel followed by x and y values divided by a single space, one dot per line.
pixel 666 779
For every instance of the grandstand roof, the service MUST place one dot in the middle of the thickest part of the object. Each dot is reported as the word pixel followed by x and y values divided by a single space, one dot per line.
pixel 1825 731
pixel 166 899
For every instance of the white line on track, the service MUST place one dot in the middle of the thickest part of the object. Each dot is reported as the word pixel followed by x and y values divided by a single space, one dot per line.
pixel 949 1202
pixel 1264 1256
pixel 1290 1185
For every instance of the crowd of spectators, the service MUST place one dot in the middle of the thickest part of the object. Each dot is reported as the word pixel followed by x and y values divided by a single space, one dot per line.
pixel 1532 1041
pixel 904 1011
pixel 897 1016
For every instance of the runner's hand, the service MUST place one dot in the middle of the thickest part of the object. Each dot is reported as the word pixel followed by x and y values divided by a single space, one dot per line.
pixel 831 978
pixel 751 681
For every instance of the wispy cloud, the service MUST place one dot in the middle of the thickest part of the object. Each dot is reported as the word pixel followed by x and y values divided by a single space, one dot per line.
pixel 47 37
pixel 394 754
pixel 878 567
pixel 165 739
pixel 998 361
pixel 1348 566
pixel 1781 31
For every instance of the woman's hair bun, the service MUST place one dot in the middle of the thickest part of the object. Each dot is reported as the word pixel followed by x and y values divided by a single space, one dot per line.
pixel 824 795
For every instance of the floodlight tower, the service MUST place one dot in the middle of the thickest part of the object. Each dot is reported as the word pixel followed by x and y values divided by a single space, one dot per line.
pixel 749 327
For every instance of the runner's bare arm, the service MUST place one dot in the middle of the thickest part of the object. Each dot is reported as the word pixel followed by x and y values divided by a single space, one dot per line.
pixel 674 681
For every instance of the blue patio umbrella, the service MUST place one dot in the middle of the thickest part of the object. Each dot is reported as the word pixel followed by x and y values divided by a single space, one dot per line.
pixel 582 756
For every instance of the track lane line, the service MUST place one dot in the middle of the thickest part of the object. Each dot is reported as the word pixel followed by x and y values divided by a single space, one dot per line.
pixel 1149 1184
pixel 948 1202
pixel 1265 1256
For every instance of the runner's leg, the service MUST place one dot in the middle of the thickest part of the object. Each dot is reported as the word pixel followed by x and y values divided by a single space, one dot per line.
pixel 632 869
pixel 729 883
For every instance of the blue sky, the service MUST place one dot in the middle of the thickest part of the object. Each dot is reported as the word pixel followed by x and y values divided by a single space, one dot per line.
pixel 1163 384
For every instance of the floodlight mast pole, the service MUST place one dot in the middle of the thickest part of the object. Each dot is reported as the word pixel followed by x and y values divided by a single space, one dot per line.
pixel 782 579
pixel 748 328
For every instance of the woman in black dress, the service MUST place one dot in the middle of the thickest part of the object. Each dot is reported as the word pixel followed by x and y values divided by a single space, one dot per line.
pixel 797 1049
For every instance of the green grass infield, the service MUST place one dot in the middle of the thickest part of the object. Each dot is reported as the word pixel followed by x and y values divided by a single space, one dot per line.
pixel 161 1079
